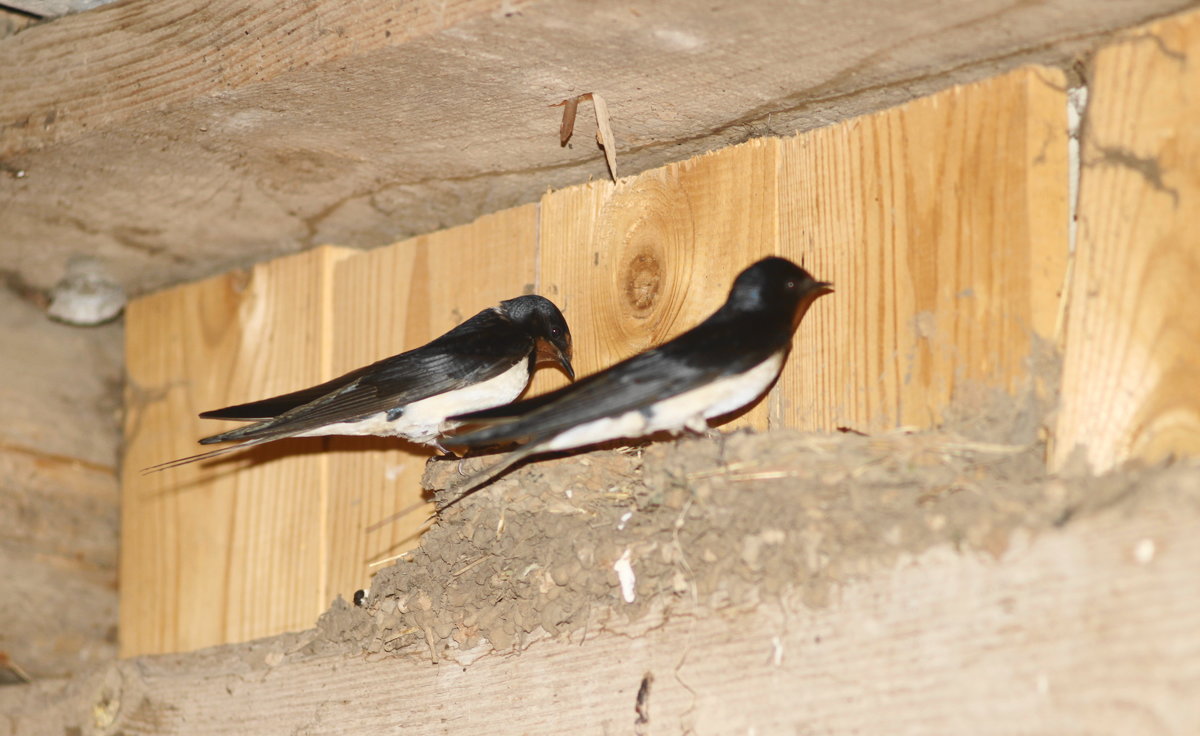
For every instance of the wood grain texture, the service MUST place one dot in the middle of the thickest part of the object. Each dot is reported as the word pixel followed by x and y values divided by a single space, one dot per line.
pixel 191 138
pixel 59 491
pixel 97 68
pixel 226 550
pixel 51 371
pixel 1091 628
pixel 636 263
pixel 386 301
pixel 1130 373
pixel 59 523
pixel 943 225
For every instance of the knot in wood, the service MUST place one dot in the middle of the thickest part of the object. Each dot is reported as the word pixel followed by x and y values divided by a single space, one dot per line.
pixel 643 282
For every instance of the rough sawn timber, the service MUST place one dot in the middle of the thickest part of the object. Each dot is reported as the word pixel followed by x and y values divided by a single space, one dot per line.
pixel 1092 627
pixel 942 224
pixel 58 492
pixel 177 139
pixel 223 551
pixel 1132 338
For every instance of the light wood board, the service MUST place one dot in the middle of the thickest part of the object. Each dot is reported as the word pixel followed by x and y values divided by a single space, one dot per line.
pixel 636 263
pixel 943 226
pixel 1131 373
pixel 225 550
pixel 386 301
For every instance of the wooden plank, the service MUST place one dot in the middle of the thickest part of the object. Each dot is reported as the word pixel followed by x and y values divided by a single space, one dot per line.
pixel 59 495
pixel 43 382
pixel 386 301
pixel 97 69
pixel 58 560
pixel 191 138
pixel 228 550
pixel 943 225
pixel 1132 359
pixel 1091 627
pixel 636 263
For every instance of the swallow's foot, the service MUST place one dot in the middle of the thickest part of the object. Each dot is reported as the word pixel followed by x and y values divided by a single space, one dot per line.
pixel 446 454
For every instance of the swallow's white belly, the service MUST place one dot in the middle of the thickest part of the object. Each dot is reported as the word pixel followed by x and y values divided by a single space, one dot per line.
pixel 688 410
pixel 422 420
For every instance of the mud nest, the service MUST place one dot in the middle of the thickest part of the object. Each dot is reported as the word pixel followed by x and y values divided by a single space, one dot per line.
pixel 568 547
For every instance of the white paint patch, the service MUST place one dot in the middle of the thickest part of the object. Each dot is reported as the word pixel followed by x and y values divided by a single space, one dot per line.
pixel 422 420
pixel 678 40
pixel 625 576
pixel 1076 108
pixel 392 472
pixel 689 409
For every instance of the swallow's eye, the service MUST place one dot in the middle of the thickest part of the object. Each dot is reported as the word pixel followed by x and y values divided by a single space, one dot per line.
pixel 554 331
pixel 790 285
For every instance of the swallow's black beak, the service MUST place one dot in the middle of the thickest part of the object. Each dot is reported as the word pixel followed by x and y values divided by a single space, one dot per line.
pixel 817 290
pixel 557 350
pixel 562 355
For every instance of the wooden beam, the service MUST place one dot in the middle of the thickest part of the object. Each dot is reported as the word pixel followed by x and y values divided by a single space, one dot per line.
pixel 227 550
pixel 1091 627
pixel 97 69
pixel 386 301
pixel 943 225
pixel 59 493
pixel 1130 373
pixel 192 138
pixel 59 523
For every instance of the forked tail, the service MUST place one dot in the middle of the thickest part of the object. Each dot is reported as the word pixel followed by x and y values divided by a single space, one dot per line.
pixel 205 455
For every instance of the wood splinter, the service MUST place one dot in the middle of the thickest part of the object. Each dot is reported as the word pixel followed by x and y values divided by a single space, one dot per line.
pixel 604 134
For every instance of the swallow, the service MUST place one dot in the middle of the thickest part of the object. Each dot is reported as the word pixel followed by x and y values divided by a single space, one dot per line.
pixel 719 366
pixel 483 362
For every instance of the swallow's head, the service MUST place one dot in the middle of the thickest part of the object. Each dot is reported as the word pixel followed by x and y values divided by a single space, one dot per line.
pixel 546 325
pixel 777 284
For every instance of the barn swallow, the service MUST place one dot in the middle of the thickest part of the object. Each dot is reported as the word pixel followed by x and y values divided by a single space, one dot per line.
pixel 713 369
pixel 484 362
